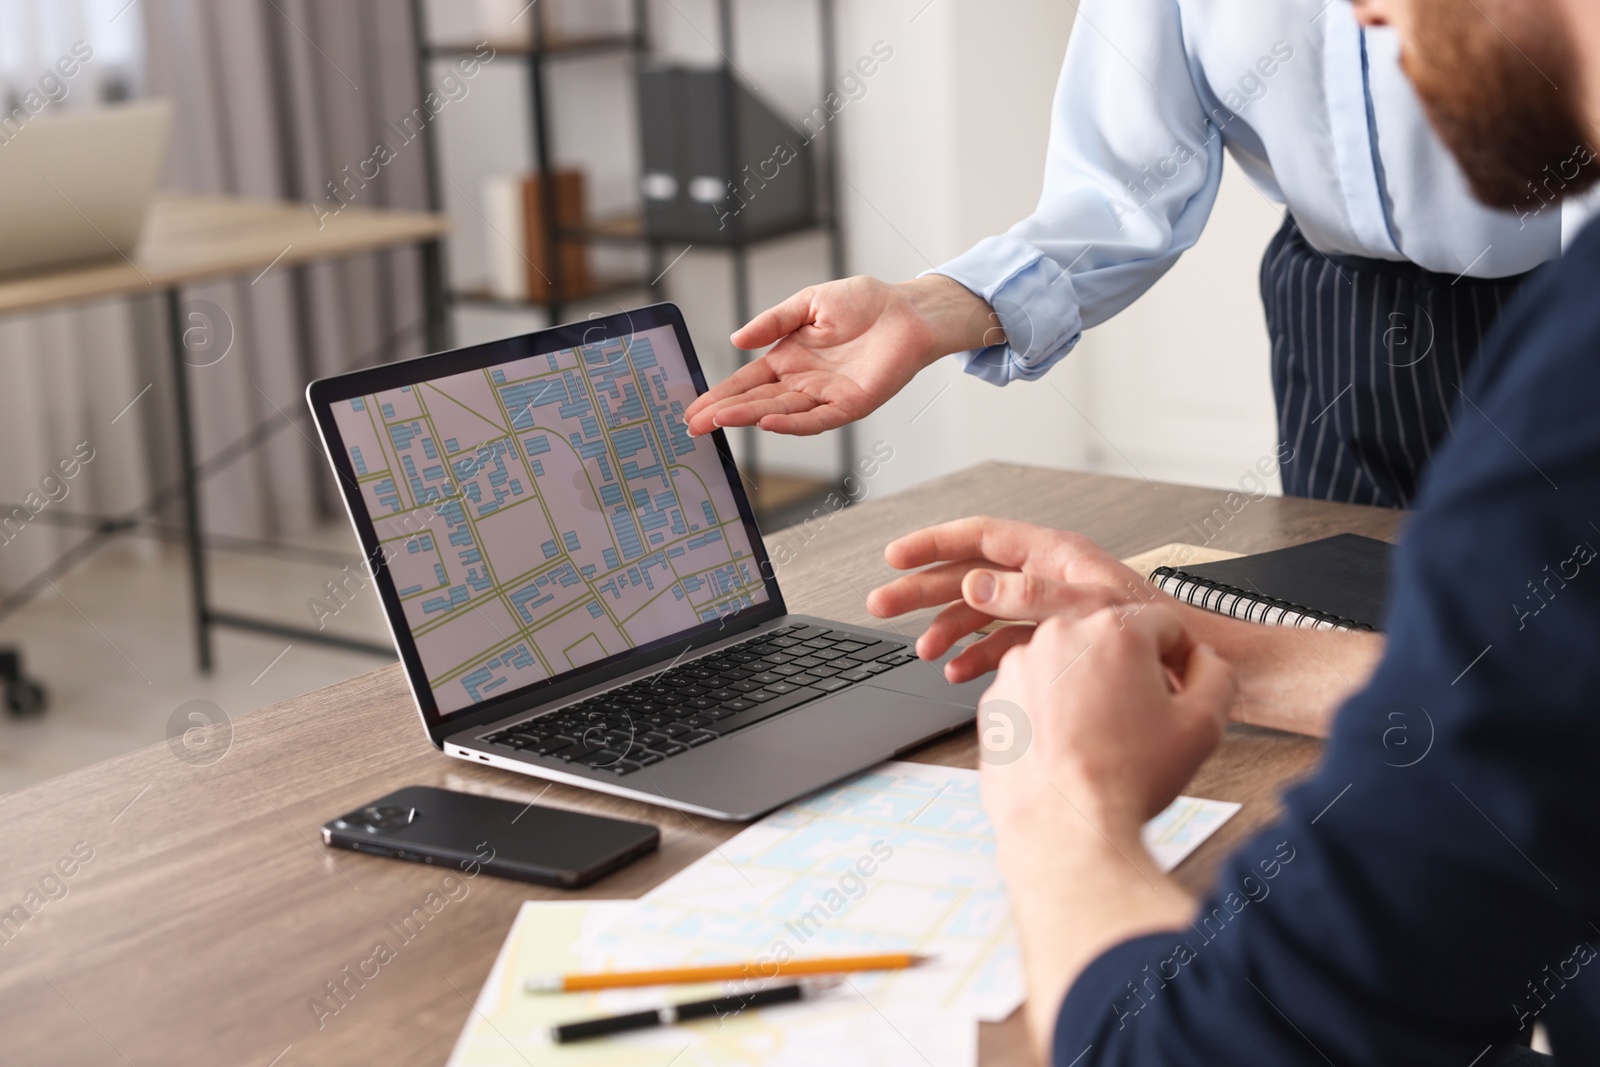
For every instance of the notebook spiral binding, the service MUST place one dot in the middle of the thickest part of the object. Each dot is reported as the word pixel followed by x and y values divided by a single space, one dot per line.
pixel 1243 604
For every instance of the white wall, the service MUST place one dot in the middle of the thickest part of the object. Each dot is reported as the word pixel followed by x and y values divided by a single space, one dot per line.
pixel 945 147
pixel 1180 384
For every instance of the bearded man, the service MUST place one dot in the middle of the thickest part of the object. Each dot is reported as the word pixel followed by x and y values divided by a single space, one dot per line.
pixel 1422 911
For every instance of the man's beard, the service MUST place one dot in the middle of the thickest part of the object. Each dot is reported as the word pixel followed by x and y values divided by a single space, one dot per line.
pixel 1520 140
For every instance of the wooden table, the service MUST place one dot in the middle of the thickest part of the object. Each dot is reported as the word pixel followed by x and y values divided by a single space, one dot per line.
pixel 191 239
pixel 209 915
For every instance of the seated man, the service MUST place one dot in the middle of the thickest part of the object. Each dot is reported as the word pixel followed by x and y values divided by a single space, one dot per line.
pixel 1419 907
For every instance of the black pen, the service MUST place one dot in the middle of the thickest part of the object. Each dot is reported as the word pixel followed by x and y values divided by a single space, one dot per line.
pixel 719 1007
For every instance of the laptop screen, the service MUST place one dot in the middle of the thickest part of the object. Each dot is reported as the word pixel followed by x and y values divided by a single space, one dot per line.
pixel 544 513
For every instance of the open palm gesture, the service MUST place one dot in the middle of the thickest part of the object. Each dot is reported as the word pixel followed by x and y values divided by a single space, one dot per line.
pixel 839 351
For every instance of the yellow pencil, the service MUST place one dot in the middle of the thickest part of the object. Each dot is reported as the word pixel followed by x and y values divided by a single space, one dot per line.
pixel 719 972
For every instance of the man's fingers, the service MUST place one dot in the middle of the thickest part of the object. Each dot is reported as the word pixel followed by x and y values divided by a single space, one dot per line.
pixel 1163 629
pixel 775 323
pixel 928 588
pixel 1004 541
pixel 983 656
pixel 1208 685
pixel 751 376
pixel 949 626
pixel 1031 597
pixel 1199 676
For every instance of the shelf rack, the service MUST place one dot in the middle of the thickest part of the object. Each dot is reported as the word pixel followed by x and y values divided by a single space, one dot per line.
pixel 776 497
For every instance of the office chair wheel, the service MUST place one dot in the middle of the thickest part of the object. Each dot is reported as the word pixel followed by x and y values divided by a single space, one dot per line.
pixel 25 699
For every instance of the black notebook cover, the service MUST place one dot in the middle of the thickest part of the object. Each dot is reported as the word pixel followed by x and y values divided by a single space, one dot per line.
pixel 1346 575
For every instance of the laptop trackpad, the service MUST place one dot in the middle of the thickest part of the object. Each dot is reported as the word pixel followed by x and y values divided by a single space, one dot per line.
pixel 753 771
pixel 927 680
pixel 860 722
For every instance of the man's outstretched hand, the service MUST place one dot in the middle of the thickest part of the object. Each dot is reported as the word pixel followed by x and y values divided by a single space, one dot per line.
pixel 981 570
pixel 839 351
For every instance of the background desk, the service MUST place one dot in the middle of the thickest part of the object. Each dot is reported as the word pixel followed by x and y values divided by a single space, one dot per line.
pixel 210 915
pixel 191 239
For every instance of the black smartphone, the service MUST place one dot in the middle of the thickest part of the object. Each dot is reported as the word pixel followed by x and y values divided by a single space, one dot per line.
pixel 550 846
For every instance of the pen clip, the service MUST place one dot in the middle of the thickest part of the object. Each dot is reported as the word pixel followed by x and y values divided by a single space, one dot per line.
pixel 817 986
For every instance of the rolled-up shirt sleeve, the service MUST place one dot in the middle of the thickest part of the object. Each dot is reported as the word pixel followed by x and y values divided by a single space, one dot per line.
pixel 1131 174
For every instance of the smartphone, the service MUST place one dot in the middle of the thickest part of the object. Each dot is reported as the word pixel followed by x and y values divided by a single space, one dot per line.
pixel 550 846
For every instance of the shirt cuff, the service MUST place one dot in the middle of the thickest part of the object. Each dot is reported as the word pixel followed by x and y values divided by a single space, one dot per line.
pixel 1036 303
pixel 1107 996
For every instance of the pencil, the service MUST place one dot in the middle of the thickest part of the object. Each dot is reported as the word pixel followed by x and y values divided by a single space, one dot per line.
pixel 719 972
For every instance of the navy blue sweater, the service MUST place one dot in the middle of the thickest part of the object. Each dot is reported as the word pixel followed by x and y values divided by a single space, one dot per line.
pixel 1435 887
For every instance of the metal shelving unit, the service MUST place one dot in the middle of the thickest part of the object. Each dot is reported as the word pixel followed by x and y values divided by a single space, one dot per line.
pixel 541 51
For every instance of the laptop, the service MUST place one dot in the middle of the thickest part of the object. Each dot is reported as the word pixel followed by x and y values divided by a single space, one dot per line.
pixel 78 185
pixel 578 590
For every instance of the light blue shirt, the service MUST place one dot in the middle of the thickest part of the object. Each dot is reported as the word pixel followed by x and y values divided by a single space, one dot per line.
pixel 1316 113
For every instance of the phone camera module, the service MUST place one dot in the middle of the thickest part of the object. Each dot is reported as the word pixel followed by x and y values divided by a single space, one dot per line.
pixel 377 818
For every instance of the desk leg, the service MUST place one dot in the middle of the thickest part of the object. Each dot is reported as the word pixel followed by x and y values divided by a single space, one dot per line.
pixel 436 309
pixel 194 534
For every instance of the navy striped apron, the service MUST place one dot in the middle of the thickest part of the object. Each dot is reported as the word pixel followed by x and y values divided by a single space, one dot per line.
pixel 1367 360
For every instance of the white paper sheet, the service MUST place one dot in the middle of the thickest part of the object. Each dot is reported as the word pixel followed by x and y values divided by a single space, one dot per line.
pixel 1184 827
pixel 508 1026
pixel 899 859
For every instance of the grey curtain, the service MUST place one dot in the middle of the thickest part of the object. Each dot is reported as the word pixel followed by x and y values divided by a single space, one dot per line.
pixel 66 373
pixel 274 99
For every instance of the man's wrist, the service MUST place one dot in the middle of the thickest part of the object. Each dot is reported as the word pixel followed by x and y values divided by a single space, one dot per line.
pixel 958 319
pixel 1085 828
pixel 1288 679
pixel 1075 892
pixel 1076 844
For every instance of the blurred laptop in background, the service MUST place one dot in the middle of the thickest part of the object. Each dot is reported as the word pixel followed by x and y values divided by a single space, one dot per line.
pixel 77 187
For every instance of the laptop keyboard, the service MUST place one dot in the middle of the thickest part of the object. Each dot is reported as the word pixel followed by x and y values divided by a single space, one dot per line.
pixel 695 703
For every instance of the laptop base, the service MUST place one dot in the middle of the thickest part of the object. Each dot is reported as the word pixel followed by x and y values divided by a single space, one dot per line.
pixel 754 770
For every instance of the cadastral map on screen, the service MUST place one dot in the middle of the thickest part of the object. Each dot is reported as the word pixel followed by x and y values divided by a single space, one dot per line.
pixel 542 514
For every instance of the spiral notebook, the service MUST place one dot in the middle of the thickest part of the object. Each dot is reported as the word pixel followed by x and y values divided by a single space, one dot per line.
pixel 1337 583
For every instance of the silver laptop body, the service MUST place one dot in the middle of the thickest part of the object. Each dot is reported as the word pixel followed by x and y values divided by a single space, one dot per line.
pixel 578 590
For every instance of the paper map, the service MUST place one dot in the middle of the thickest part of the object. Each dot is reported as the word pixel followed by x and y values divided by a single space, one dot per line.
pixel 900 858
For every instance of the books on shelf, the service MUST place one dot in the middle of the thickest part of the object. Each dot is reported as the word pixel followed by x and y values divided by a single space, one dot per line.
pixel 518 243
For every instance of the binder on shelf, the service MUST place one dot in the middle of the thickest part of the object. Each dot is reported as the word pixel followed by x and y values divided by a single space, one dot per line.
pixel 700 185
